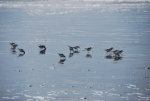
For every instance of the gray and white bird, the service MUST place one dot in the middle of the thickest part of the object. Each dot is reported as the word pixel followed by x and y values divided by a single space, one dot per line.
pixel 88 49
pixel 71 49
pixel 14 45
pixel 76 48
pixel 61 55
pixel 42 47
pixel 109 49
pixel 21 51
pixel 117 52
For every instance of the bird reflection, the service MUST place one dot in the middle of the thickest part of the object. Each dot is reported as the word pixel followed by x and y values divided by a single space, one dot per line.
pixel 88 55
pixel 42 51
pixel 117 58
pixel 13 50
pixel 108 57
pixel 71 49
pixel 20 55
pixel 61 61
pixel 71 54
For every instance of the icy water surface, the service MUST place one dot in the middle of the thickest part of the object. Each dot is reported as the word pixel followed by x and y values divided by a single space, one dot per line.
pixel 83 76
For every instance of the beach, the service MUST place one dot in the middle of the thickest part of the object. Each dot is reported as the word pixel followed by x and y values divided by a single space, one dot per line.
pixel 81 76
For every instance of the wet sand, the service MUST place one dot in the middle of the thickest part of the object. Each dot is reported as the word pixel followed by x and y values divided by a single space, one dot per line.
pixel 82 76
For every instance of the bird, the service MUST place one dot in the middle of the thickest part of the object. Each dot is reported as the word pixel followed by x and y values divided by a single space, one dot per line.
pixel 120 51
pixel 61 55
pixel 88 49
pixel 117 52
pixel 71 49
pixel 148 68
pixel 21 51
pixel 109 49
pixel 14 45
pixel 76 48
pixel 42 46
pixel 43 49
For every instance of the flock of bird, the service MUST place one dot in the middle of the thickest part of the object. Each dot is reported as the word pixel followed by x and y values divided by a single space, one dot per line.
pixel 113 54
pixel 13 49
pixel 110 53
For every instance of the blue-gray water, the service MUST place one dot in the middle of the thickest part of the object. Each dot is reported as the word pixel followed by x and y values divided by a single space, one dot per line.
pixel 59 24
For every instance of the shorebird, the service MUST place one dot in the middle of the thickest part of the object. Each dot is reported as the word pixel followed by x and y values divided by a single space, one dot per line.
pixel 43 49
pixel 88 55
pixel 117 52
pixel 109 49
pixel 71 49
pixel 148 68
pixel 76 48
pixel 14 45
pixel 42 46
pixel 61 55
pixel 88 49
pixel 21 51
pixel 120 51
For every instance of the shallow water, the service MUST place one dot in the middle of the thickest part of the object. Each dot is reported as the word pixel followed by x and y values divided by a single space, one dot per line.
pixel 82 76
